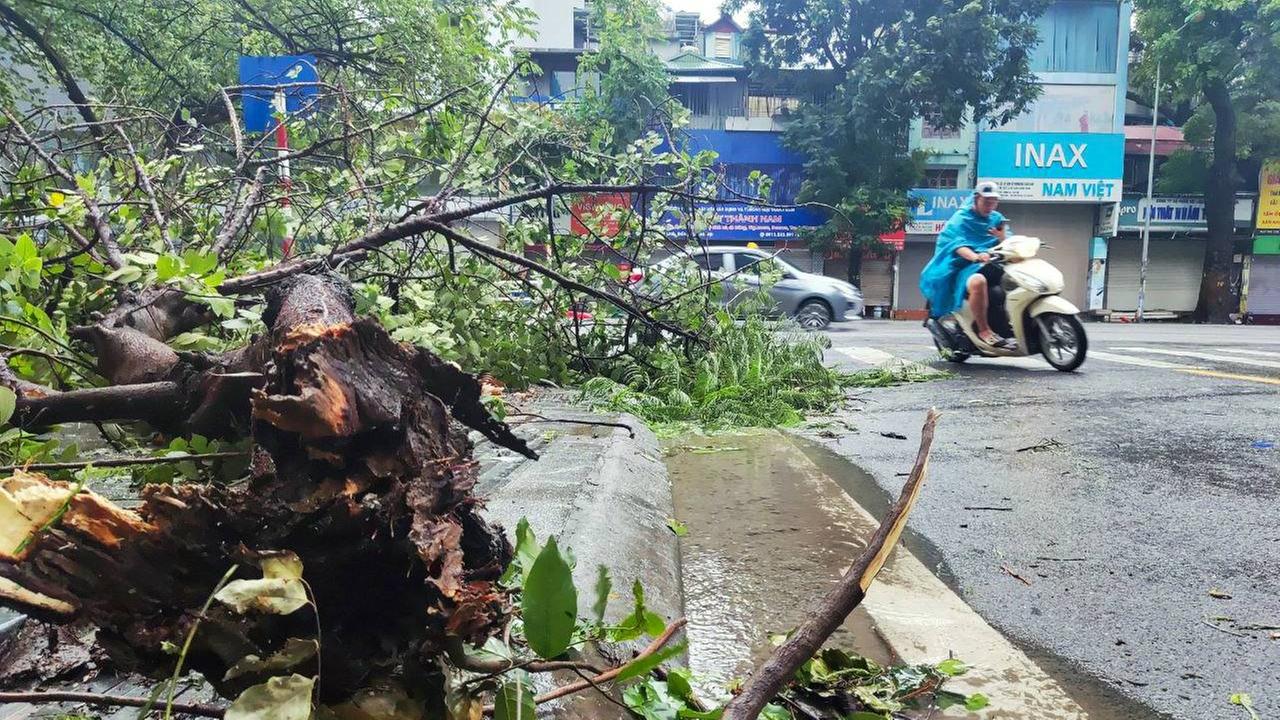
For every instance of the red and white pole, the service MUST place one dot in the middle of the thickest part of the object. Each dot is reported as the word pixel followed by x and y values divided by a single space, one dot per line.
pixel 286 182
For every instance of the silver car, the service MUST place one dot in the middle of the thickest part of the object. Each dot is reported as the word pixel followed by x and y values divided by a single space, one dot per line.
pixel 815 301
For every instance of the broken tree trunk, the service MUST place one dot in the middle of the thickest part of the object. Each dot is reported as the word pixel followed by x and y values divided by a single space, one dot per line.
pixel 355 468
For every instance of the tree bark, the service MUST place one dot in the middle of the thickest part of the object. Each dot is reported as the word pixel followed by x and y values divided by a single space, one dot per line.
pixel 356 468
pixel 1217 300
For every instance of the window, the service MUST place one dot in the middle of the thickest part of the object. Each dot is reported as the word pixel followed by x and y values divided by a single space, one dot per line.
pixel 686 28
pixel 942 178
pixel 1078 36
pixel 695 96
pixel 933 131
pixel 723 46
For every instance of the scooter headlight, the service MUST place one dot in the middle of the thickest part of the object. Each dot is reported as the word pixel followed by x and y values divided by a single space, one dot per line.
pixel 1022 279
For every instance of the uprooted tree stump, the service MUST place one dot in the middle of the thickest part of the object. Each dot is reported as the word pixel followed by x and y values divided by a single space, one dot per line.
pixel 355 468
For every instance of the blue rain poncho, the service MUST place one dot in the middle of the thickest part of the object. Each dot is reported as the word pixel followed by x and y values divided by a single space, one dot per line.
pixel 943 280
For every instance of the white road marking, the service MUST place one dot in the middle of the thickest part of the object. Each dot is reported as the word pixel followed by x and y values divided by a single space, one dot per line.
pixel 868 355
pixel 1242 351
pixel 1215 357
pixel 1025 362
pixel 1142 362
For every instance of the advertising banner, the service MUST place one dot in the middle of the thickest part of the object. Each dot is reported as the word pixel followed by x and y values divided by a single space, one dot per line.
pixel 933 207
pixel 1269 196
pixel 1053 167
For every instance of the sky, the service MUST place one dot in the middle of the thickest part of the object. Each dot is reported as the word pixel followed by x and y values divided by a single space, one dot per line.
pixel 708 9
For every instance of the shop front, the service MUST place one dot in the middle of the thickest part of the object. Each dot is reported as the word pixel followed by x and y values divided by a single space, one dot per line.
pixel 1175 253
pixel 931 209
pixel 1262 274
pixel 1053 186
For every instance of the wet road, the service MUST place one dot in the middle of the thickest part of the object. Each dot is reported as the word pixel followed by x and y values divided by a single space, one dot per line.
pixel 1121 523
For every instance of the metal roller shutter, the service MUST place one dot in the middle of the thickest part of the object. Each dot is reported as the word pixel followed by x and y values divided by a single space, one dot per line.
pixel 1174 269
pixel 877 282
pixel 1067 230
pixel 1264 285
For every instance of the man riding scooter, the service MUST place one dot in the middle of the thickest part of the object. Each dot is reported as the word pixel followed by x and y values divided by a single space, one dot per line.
pixel 959 267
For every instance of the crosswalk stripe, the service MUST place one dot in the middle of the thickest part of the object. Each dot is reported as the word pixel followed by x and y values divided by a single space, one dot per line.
pixel 1215 357
pixel 1142 362
pixel 868 355
pixel 1242 351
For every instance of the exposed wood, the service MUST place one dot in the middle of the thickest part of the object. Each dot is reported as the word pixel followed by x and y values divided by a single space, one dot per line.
pixel 356 468
pixel 829 613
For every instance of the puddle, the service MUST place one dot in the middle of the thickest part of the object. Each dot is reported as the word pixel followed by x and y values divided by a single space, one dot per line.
pixel 762 547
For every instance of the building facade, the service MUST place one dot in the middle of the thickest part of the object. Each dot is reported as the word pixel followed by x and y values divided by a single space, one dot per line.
pixel 1061 164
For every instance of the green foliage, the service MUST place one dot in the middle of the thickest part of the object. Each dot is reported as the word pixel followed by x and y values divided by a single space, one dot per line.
pixel 549 603
pixel 1183 172
pixel 514 700
pixel 751 374
pixel 889 62
pixel 625 83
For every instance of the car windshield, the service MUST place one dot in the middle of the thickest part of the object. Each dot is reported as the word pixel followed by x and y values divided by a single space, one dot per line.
pixel 754 263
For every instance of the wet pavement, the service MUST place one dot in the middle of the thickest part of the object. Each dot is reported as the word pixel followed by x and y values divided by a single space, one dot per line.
pixel 765 541
pixel 1118 523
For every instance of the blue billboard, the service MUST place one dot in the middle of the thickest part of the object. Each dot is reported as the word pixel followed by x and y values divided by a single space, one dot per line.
pixel 1055 167
pixel 740 154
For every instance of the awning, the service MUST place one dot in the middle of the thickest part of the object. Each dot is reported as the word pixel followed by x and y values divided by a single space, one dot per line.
pixel 702 79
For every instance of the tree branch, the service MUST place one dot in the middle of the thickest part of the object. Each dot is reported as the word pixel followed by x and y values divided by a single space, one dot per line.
pixel 59 696
pixel 831 611
pixel 24 26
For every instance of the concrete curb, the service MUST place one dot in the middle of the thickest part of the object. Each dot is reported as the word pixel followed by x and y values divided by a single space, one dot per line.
pixel 923 621
pixel 605 495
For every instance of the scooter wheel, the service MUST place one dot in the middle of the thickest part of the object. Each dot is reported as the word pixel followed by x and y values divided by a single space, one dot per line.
pixel 1063 342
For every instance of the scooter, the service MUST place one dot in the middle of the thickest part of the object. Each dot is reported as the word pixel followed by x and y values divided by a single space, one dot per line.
pixel 1025 306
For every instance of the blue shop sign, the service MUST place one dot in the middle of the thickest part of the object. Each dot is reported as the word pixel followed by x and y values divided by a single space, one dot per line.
pixel 294 75
pixel 1053 167
pixel 932 207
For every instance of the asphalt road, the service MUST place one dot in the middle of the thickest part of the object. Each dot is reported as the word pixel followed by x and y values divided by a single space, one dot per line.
pixel 1121 523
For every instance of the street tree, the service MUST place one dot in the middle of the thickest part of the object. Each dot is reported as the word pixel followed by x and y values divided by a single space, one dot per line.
pixel 1223 54
pixel 889 63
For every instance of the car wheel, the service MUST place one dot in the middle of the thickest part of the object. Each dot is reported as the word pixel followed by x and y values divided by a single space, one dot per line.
pixel 814 315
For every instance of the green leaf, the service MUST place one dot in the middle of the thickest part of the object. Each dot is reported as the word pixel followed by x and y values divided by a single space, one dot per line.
pixel 8 403
pixel 677 527
pixel 952 667
pixel 680 683
pixel 527 547
pixel 200 263
pixel 127 274
pixel 774 712
pixel 604 586
pixel 280 591
pixel 167 267
pixel 280 698
pixel 643 666
pixel 514 700
pixel 294 652
pixel 549 603
pixel 57 199
pixel 976 702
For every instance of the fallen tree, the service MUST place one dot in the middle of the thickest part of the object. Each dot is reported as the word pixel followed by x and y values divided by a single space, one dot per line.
pixel 355 469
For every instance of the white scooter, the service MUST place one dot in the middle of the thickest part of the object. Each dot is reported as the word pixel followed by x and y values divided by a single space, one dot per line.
pixel 1026 307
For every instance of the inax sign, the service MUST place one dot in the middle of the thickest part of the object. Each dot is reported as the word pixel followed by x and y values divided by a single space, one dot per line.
pixel 1053 167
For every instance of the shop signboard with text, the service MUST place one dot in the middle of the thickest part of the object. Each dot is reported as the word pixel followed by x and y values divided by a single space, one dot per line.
pixel 1269 197
pixel 932 207
pixel 1053 167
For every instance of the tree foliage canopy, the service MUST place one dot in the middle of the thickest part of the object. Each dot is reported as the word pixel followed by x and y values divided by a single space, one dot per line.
pixel 890 62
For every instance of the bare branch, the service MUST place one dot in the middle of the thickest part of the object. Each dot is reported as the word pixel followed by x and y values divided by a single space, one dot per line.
pixel 829 613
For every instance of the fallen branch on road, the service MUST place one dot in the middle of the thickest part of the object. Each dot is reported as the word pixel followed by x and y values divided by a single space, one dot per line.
pixel 832 610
